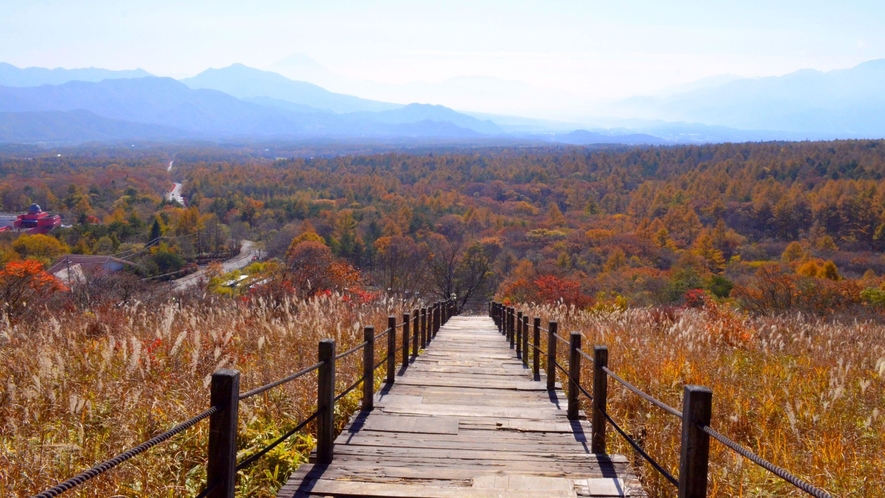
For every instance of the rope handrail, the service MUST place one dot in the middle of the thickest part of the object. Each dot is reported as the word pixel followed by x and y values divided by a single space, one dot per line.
pixel 765 464
pixel 259 390
pixel 122 457
pixel 668 476
pixel 381 362
pixel 660 404
pixel 562 339
pixel 569 377
pixel 536 348
pixel 382 334
pixel 255 456
pixel 585 355
pixel 351 351
pixel 351 388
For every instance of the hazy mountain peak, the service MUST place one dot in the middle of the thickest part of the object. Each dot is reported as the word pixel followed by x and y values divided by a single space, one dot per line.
pixel 35 76
pixel 249 83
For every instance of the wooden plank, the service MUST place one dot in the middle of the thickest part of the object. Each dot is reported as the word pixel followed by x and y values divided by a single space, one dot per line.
pixel 411 425
pixel 466 419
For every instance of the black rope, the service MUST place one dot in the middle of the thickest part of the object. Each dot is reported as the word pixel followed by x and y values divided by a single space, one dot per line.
pixel 259 390
pixel 583 391
pixel 381 362
pixel 536 348
pixel 561 339
pixel 569 377
pixel 351 388
pixel 668 476
pixel 585 355
pixel 351 350
pixel 774 469
pixel 206 491
pixel 644 396
pixel 117 460
pixel 561 369
pixel 250 460
pixel 382 334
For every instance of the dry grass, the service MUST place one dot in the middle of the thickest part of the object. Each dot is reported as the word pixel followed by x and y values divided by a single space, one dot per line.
pixel 805 394
pixel 78 389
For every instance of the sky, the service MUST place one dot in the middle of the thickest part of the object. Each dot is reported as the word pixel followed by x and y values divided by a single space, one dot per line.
pixel 553 53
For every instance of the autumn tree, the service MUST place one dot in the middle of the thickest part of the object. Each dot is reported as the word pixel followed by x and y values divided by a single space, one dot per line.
pixel 24 284
pixel 43 248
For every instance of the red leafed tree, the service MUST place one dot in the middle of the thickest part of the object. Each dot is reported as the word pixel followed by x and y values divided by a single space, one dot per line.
pixel 312 268
pixel 25 284
pixel 551 288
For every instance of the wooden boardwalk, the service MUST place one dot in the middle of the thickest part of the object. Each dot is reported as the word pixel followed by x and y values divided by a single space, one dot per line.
pixel 466 420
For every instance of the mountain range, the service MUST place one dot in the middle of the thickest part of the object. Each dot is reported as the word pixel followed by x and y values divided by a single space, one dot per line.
pixel 845 103
pixel 77 105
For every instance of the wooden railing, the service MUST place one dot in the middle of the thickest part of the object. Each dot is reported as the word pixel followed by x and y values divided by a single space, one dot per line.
pixel 696 411
pixel 418 329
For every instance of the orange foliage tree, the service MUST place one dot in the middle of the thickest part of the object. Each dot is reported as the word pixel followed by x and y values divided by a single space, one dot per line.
pixel 23 284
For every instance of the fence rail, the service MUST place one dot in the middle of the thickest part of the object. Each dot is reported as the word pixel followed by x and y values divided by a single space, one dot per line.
pixel 695 415
pixel 221 466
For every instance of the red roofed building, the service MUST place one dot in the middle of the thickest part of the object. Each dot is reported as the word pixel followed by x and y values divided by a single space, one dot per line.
pixel 37 221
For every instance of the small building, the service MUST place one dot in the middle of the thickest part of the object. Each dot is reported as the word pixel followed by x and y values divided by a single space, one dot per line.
pixel 74 268
pixel 37 221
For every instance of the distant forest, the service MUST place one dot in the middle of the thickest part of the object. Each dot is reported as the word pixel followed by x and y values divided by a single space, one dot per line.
pixel 772 226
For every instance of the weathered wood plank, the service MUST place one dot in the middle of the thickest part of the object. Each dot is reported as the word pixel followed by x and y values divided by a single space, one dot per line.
pixel 466 419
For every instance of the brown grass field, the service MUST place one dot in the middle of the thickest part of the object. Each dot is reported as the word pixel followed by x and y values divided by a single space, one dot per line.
pixel 79 388
pixel 805 394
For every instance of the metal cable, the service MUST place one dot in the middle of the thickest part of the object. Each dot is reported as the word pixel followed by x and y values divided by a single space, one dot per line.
pixel 351 350
pixel 774 469
pixel 644 396
pixel 259 390
pixel 641 451
pixel 251 459
pixel 117 460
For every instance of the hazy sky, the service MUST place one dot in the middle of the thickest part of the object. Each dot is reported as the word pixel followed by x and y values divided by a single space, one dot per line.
pixel 591 49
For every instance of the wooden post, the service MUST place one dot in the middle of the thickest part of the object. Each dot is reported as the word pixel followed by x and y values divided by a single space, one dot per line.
pixel 406 322
pixel 551 355
pixel 424 338
pixel 391 349
pixel 697 404
pixel 222 464
pixel 525 340
pixel 574 373
pixel 511 333
pixel 536 341
pixel 326 402
pixel 416 317
pixel 519 334
pixel 506 324
pixel 368 368
pixel 600 399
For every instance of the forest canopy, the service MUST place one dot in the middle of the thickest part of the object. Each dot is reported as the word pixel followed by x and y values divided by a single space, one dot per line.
pixel 772 225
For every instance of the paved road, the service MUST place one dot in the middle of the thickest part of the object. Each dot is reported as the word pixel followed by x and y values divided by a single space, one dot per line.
pixel 247 252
